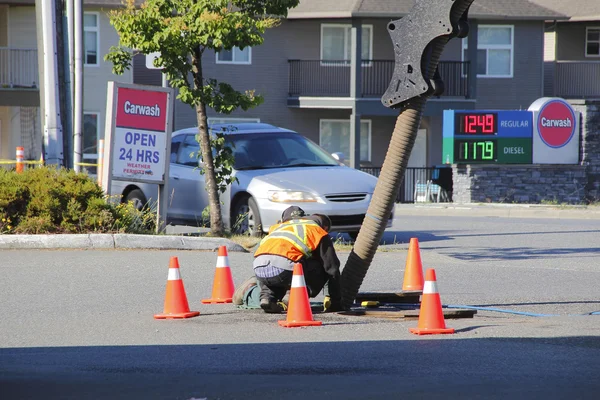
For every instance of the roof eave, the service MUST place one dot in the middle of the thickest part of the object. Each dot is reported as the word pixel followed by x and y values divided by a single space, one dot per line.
pixel 319 15
pixel 388 15
pixel 585 18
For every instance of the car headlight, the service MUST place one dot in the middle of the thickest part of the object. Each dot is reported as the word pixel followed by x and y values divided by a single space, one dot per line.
pixel 286 196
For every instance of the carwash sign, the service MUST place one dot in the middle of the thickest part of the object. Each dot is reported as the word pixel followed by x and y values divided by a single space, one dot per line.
pixel 555 132
pixel 138 139
pixel 140 133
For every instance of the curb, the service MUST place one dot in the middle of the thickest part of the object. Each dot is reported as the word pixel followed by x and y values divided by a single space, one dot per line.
pixel 115 241
pixel 498 210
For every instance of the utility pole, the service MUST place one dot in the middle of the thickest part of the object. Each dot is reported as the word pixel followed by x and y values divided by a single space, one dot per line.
pixel 78 82
pixel 53 134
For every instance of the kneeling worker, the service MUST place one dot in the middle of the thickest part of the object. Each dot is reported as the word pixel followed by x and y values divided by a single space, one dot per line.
pixel 297 239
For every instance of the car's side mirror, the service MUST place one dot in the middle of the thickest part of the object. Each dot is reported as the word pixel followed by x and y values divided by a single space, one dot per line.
pixel 339 156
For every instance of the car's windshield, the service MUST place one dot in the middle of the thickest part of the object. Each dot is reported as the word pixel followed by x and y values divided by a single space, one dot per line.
pixel 276 150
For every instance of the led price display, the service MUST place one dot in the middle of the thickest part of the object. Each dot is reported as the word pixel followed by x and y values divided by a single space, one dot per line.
pixel 487 137
pixel 475 151
pixel 476 123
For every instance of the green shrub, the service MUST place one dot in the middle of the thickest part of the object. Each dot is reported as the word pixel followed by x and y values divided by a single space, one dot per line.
pixel 57 200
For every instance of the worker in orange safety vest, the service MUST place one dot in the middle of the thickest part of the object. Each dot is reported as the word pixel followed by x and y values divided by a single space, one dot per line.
pixel 299 238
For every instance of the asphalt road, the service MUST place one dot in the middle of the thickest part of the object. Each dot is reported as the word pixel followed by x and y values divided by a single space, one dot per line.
pixel 79 324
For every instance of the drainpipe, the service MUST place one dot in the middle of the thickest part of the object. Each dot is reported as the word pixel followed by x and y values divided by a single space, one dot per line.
pixel 69 78
pixel 355 90
pixel 472 57
pixel 53 136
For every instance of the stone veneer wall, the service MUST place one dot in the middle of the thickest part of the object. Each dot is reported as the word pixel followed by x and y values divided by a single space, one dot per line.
pixel 572 184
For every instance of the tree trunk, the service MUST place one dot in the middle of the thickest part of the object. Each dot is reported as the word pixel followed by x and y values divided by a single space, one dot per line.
pixel 216 222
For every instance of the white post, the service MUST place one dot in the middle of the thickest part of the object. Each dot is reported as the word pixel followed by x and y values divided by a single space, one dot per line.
pixel 53 139
pixel 78 83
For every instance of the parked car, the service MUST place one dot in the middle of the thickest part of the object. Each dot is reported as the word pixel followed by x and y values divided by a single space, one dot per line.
pixel 275 168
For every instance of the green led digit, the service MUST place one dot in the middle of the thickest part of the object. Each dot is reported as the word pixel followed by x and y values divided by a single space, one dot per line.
pixel 482 145
pixel 466 151
pixel 488 153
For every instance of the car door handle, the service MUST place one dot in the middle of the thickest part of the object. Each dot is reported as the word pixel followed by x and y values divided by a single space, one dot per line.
pixel 175 176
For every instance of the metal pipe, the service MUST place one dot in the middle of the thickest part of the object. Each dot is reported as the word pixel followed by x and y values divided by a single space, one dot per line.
pixel 78 83
pixel 53 140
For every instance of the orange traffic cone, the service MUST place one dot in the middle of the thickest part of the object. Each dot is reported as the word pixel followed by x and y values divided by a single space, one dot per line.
pixel 176 304
pixel 299 312
pixel 413 272
pixel 223 288
pixel 431 317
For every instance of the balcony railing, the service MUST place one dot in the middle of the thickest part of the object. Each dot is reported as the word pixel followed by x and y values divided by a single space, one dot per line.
pixel 332 78
pixel 577 79
pixel 18 68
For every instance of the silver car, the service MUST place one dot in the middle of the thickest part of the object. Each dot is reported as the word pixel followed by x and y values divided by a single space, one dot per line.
pixel 274 167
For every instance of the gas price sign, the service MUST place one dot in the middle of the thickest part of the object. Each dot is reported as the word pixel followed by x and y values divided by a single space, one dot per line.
pixel 487 137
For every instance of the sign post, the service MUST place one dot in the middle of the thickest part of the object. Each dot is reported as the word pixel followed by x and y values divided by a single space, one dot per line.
pixel 138 139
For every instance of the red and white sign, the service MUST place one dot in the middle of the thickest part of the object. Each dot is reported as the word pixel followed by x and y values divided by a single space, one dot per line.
pixel 555 132
pixel 139 141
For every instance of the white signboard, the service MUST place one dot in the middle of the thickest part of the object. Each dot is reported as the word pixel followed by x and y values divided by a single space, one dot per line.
pixel 138 138
pixel 555 132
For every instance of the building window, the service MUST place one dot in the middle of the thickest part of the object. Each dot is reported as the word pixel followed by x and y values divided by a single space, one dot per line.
pixel 225 120
pixel 592 42
pixel 235 56
pixel 336 43
pixel 90 141
pixel 334 136
pixel 495 49
pixel 91 42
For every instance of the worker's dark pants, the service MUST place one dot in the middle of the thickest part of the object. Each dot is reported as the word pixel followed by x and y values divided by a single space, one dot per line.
pixel 275 288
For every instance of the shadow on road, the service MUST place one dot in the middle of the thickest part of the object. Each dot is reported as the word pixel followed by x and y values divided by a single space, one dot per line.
pixel 426 367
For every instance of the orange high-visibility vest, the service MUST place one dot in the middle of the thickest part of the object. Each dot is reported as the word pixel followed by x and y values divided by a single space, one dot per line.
pixel 292 239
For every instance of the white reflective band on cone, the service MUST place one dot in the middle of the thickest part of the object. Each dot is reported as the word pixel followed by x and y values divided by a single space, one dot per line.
pixel 430 287
pixel 298 281
pixel 222 262
pixel 174 274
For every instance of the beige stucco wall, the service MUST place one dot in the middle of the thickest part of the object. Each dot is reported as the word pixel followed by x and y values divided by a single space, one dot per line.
pixel 21 33
pixel 21 28
pixel 3 26
pixel 96 77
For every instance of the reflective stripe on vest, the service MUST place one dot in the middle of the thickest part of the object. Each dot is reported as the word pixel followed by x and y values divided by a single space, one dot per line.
pixel 297 238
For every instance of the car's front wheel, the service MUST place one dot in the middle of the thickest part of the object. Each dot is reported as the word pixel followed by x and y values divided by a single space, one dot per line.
pixel 246 217
pixel 137 198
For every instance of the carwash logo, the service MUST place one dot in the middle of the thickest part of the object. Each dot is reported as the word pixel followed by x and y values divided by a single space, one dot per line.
pixel 556 123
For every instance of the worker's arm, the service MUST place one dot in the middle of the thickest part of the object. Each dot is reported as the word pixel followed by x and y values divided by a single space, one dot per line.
pixel 331 265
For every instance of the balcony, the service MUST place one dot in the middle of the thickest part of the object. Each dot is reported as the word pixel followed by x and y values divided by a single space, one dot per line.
pixel 18 68
pixel 577 79
pixel 320 78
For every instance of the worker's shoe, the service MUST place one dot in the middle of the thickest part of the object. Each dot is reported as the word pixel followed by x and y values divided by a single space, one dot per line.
pixel 272 307
pixel 238 295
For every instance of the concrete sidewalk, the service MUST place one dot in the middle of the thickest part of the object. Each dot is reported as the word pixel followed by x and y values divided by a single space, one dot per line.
pixel 175 239
pixel 499 210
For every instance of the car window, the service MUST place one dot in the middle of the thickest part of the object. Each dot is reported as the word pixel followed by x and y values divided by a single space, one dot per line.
pixel 175 146
pixel 276 150
pixel 189 151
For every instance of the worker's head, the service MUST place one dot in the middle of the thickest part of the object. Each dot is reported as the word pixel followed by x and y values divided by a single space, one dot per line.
pixel 292 212
pixel 321 219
